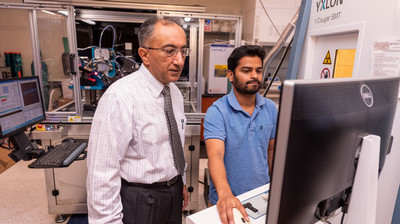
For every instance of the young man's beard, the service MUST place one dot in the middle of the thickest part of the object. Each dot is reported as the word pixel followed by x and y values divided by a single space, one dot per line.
pixel 243 88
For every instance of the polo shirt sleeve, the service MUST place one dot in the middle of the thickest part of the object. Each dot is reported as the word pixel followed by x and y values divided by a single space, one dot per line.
pixel 214 125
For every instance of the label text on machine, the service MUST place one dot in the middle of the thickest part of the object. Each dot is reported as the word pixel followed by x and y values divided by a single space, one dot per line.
pixel 326 4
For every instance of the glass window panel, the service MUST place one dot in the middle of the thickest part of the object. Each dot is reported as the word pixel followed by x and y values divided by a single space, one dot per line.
pixel 219 31
pixel 187 83
pixel 53 41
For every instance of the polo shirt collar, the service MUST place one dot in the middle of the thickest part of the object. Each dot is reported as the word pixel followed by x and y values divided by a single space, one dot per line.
pixel 235 103
pixel 259 100
pixel 155 86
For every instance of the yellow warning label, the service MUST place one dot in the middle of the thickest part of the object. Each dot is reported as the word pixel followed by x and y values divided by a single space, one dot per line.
pixel 74 119
pixel 327 60
pixel 220 70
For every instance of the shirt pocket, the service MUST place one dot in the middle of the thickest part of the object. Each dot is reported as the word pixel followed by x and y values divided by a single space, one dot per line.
pixel 264 132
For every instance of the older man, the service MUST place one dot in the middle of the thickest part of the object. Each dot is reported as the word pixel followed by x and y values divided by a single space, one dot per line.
pixel 135 156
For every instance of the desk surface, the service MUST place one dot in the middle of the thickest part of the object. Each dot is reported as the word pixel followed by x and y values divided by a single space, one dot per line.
pixel 210 215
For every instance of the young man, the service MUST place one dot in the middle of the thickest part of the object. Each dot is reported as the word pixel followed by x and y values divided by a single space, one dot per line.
pixel 239 131
pixel 135 167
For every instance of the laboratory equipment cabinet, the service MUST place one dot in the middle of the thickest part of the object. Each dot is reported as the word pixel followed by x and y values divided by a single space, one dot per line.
pixel 60 42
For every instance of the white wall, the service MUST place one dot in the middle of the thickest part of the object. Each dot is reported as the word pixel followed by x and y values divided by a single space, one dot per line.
pixel 15 36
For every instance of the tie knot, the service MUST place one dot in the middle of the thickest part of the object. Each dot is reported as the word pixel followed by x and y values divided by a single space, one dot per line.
pixel 165 91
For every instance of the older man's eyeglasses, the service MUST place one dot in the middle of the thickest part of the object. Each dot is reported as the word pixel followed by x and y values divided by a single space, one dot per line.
pixel 171 51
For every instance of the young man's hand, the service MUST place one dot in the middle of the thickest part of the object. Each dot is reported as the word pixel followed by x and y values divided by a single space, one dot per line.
pixel 225 206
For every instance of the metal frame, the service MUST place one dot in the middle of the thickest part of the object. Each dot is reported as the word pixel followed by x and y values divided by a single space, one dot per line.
pixel 124 5
pixel 112 16
pixel 14 5
pixel 73 48
pixel 59 116
pixel 35 46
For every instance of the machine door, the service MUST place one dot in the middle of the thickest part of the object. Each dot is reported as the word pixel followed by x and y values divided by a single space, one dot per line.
pixel 38 36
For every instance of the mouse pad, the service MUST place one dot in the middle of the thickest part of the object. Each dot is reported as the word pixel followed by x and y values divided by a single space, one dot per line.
pixel 258 204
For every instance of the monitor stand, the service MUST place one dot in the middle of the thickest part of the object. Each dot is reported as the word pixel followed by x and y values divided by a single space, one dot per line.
pixel 23 148
pixel 362 207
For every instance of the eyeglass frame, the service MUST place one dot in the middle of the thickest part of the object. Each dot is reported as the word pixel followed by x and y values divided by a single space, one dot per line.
pixel 185 51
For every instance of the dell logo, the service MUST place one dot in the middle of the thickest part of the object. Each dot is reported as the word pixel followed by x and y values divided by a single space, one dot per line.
pixel 366 95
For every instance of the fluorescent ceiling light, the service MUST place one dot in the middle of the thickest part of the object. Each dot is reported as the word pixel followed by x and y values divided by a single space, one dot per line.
pixel 88 21
pixel 187 19
pixel 49 12
pixel 65 13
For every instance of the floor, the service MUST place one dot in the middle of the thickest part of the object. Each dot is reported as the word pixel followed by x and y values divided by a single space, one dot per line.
pixel 23 195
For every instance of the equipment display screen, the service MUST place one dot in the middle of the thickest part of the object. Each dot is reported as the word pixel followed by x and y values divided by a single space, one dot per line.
pixel 20 104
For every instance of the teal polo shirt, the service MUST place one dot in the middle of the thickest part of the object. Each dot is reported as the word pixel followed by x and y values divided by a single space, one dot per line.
pixel 246 141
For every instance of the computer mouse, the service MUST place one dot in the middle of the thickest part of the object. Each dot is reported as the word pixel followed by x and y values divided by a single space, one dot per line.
pixel 238 217
pixel 265 196
pixel 68 140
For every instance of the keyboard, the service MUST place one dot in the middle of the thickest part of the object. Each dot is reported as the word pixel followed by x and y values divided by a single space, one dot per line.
pixel 60 156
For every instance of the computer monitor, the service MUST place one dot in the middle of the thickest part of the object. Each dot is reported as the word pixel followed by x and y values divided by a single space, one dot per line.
pixel 21 106
pixel 321 125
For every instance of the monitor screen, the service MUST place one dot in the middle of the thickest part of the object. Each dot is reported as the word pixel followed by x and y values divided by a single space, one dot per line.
pixel 21 104
pixel 321 124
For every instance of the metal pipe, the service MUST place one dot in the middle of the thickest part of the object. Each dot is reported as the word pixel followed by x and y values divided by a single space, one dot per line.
pixel 13 5
pixel 274 51
pixel 299 36
pixel 122 5
pixel 277 68
pixel 200 65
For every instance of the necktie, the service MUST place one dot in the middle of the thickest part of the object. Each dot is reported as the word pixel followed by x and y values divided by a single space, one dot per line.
pixel 174 137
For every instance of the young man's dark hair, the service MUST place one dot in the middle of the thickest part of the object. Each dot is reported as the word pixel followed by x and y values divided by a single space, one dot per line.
pixel 240 52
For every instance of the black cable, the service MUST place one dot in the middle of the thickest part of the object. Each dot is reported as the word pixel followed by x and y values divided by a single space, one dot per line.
pixel 30 131
pixel 278 67
pixel 4 147
pixel 9 145
pixel 342 220
pixel 346 203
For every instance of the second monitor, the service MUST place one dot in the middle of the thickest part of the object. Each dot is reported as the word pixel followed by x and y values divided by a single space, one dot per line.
pixel 321 125
pixel 21 106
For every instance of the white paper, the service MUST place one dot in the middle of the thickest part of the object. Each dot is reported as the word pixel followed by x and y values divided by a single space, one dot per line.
pixel 386 57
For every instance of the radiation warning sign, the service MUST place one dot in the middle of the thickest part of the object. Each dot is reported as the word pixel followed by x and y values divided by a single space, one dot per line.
pixel 327 60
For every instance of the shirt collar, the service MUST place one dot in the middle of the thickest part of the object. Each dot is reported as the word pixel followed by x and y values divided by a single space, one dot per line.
pixel 155 86
pixel 235 103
